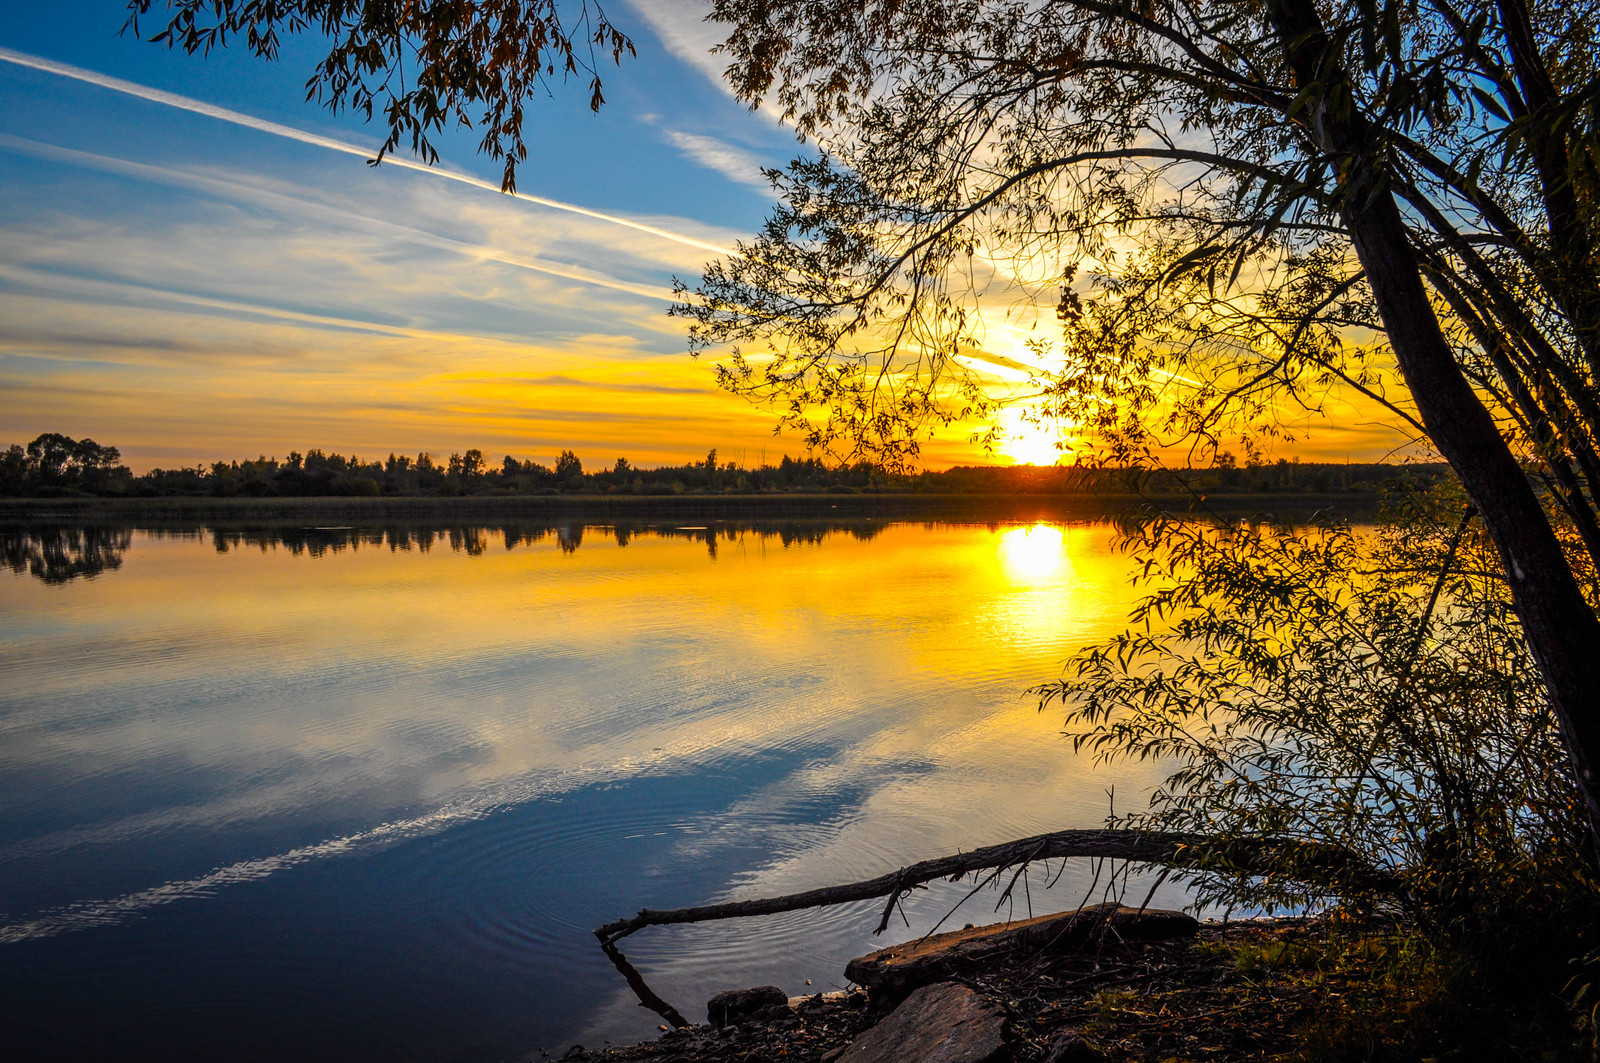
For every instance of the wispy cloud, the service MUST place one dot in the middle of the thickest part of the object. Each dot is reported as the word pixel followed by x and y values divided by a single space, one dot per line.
pixel 232 186
pixel 687 34
pixel 691 37
pixel 734 163
pixel 224 114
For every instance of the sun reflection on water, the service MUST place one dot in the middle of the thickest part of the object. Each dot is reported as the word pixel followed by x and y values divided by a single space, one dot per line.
pixel 1035 554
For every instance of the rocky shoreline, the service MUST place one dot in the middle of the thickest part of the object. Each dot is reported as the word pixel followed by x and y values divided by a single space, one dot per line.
pixel 1103 984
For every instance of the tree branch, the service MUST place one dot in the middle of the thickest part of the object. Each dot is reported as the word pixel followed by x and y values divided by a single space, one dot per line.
pixel 1284 857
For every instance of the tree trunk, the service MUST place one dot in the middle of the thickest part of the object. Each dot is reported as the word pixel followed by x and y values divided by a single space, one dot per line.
pixel 1563 633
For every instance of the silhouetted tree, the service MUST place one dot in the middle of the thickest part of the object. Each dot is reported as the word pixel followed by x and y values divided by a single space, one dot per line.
pixel 568 468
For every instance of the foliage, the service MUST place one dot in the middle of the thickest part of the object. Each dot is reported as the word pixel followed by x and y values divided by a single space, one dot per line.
pixel 55 464
pixel 1397 995
pixel 1267 201
pixel 1365 689
pixel 424 66
pixel 1152 170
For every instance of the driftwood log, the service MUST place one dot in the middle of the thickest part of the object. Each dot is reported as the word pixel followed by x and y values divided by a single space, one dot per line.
pixel 1303 861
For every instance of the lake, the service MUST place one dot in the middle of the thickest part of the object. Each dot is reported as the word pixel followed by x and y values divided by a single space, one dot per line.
pixel 364 793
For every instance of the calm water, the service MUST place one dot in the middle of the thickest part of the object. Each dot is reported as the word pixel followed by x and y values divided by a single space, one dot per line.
pixel 364 793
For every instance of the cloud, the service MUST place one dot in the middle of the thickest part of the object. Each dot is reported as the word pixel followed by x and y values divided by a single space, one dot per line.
pixel 688 36
pixel 224 114
pixel 233 185
pixel 554 380
pixel 734 163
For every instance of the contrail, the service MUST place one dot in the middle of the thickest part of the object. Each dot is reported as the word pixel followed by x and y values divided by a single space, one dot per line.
pixel 238 118
pixel 235 308
pixel 167 175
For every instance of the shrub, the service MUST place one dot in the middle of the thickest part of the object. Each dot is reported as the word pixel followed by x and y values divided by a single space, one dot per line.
pixel 1368 689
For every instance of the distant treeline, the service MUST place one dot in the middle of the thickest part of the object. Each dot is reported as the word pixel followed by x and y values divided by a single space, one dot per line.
pixel 55 465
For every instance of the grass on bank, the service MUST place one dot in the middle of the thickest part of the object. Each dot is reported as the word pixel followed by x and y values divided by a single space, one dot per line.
pixel 1322 991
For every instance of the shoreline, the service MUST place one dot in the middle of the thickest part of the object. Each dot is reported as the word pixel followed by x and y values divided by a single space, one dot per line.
pixel 601 509
pixel 1238 990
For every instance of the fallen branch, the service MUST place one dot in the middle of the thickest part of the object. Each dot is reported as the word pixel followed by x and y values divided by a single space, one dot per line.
pixel 1314 862
pixel 647 996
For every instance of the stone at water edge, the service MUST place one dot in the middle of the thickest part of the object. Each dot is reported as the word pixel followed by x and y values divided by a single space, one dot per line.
pixel 736 1005
pixel 944 1023
pixel 898 969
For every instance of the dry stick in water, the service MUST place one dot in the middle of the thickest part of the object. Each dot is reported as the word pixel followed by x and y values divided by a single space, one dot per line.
pixel 647 996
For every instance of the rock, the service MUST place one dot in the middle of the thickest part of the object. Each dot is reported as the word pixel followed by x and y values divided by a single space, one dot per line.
pixel 1071 1048
pixel 945 1023
pixel 898 969
pixel 737 1005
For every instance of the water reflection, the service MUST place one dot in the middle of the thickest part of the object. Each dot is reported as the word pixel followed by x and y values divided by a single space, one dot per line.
pixel 61 555
pixel 380 781
pixel 1033 554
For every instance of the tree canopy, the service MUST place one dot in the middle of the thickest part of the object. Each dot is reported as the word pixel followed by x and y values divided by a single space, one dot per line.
pixel 1268 199
pixel 422 66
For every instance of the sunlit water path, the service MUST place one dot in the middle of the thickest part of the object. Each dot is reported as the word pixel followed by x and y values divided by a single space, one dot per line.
pixel 363 794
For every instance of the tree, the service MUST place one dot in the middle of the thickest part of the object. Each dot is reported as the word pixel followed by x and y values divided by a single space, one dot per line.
pixel 468 466
pixel 1239 205
pixel 50 457
pixel 53 462
pixel 1250 182
pixel 1293 695
pixel 568 467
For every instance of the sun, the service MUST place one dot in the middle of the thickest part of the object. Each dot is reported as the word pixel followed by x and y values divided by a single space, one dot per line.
pixel 1029 443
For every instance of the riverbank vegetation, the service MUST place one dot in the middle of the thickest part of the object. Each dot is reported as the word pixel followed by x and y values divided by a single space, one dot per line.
pixel 1332 990
pixel 1373 692
pixel 58 466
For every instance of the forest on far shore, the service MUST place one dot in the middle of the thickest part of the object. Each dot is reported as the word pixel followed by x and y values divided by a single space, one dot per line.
pixel 56 466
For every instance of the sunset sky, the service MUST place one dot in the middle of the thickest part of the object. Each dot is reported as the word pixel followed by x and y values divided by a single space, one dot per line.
pixel 197 263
